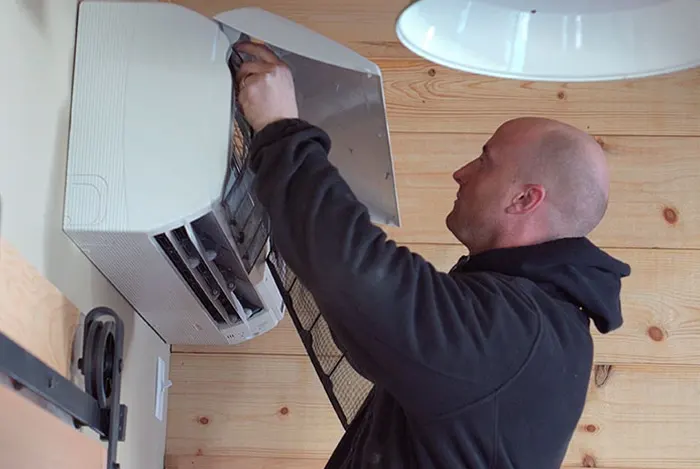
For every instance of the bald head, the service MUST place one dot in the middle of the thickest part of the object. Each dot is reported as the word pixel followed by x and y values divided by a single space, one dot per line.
pixel 536 180
pixel 571 166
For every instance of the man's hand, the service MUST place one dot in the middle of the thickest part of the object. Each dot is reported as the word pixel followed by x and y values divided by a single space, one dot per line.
pixel 266 87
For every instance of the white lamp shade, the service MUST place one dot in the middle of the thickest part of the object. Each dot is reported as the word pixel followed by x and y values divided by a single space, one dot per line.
pixel 555 40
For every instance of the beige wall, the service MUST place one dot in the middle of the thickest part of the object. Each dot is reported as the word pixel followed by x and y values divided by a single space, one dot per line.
pixel 36 49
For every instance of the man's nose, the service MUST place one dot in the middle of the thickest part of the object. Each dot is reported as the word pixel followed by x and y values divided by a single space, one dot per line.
pixel 458 175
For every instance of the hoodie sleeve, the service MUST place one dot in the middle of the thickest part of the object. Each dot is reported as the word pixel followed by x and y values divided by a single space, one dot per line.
pixel 436 342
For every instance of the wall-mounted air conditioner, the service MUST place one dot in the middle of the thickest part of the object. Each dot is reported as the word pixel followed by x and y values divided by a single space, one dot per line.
pixel 158 192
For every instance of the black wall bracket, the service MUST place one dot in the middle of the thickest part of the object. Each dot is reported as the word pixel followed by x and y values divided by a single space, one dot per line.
pixel 98 407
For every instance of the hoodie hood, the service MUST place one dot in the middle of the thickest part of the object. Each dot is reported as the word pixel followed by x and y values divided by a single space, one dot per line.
pixel 572 267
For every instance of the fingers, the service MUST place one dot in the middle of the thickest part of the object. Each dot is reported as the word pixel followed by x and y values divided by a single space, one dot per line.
pixel 259 51
pixel 251 68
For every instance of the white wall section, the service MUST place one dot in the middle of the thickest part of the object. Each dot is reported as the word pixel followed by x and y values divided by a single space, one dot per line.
pixel 36 46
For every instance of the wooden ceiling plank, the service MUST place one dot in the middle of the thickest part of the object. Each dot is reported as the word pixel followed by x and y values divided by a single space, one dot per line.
pixel 221 405
pixel 426 97
pixel 661 308
pixel 241 462
pixel 238 405
pixel 654 183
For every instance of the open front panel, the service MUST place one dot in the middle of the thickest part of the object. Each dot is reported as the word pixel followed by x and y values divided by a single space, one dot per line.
pixel 341 92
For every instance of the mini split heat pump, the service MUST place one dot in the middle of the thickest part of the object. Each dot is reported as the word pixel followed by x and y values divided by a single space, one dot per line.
pixel 158 194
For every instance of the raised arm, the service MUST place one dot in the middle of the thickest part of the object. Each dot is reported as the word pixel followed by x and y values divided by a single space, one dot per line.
pixel 427 337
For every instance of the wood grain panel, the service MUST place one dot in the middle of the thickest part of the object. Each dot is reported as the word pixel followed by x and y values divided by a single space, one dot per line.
pixel 661 306
pixel 241 462
pixel 232 405
pixel 34 313
pixel 643 417
pixel 654 188
pixel 239 405
pixel 349 23
pixel 423 97
pixel 32 438
pixel 228 462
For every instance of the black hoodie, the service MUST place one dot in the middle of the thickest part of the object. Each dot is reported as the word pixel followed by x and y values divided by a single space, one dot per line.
pixel 486 367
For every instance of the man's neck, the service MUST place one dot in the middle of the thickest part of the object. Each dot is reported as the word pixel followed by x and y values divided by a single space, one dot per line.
pixel 512 239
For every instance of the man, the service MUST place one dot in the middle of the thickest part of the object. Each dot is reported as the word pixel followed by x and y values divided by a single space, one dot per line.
pixel 486 367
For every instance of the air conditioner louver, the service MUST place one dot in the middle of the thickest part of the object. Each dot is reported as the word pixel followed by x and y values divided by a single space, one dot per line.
pixel 179 263
pixel 205 260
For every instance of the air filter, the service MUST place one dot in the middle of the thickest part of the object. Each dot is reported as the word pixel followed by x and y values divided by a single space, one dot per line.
pixel 346 389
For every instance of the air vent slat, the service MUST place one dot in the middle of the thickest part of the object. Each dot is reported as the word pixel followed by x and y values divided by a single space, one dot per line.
pixel 202 275
pixel 179 263
pixel 226 301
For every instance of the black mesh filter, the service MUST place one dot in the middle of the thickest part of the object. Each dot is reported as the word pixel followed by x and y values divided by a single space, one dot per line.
pixel 247 219
pixel 346 389
pixel 249 224
pixel 352 389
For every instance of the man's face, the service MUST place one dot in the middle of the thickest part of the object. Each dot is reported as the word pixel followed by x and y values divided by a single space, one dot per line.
pixel 485 190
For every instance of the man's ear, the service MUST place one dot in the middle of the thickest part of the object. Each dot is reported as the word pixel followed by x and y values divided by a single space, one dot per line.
pixel 527 200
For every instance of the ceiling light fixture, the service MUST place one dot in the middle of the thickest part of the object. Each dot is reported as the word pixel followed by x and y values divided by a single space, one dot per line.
pixel 555 40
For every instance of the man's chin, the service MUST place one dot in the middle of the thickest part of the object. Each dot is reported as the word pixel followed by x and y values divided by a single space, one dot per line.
pixel 450 221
